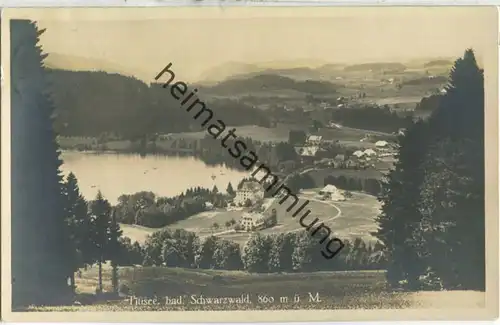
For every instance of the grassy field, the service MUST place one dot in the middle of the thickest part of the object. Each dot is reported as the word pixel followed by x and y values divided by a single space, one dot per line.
pixel 335 290
pixel 349 219
pixel 319 174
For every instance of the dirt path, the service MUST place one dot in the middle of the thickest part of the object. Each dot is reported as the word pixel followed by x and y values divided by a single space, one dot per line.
pixel 339 212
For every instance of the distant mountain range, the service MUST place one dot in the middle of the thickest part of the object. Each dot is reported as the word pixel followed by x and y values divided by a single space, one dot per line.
pixel 299 70
pixel 80 63
pixel 327 71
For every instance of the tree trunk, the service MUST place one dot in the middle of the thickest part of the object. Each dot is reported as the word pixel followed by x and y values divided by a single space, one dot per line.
pixel 114 278
pixel 99 288
pixel 72 282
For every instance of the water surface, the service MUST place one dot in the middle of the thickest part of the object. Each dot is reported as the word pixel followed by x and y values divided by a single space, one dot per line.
pixel 117 174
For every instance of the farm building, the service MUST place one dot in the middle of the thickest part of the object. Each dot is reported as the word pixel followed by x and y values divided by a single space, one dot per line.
pixel 253 221
pixel 381 144
pixel 369 152
pixel 331 192
pixel 250 190
pixel 358 153
pixel 314 140
pixel 307 154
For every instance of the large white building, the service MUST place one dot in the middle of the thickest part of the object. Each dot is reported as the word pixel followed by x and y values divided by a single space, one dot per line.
pixel 252 221
pixel 251 190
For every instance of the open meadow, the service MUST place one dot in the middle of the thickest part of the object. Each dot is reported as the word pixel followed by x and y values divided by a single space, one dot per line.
pixel 317 290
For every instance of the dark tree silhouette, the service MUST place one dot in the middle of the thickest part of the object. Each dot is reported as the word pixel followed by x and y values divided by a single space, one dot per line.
pixel 40 256
pixel 78 226
pixel 101 223
pixel 114 249
pixel 432 220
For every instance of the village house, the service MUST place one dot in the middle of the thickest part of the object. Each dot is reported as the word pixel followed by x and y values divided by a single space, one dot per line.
pixel 358 154
pixel 331 192
pixel 369 153
pixel 338 160
pixel 350 163
pixel 209 206
pixel 252 221
pixel 381 144
pixel 307 154
pixel 251 191
pixel 314 140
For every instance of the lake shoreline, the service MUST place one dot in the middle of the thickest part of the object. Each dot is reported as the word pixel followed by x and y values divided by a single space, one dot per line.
pixel 116 173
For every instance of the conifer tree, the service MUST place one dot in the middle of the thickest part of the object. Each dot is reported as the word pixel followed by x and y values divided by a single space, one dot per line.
pixel 452 199
pixel 432 220
pixel 101 222
pixel 400 213
pixel 78 226
pixel 40 255
pixel 230 190
pixel 114 249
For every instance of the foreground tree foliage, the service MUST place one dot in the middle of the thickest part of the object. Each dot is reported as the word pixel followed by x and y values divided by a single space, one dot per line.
pixel 274 253
pixel 433 218
pixel 101 223
pixel 41 256
pixel 78 226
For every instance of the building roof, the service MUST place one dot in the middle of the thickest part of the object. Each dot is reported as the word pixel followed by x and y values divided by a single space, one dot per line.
pixel 329 189
pixel 369 152
pixel 358 153
pixel 381 143
pixel 251 186
pixel 307 151
pixel 314 138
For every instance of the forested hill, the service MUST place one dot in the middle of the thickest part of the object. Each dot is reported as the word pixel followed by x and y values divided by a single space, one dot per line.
pixel 89 103
pixel 269 83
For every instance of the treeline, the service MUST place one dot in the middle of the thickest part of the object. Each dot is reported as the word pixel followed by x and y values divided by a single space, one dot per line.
pixel 370 185
pixel 91 232
pixel 429 103
pixel 270 82
pixel 377 66
pixel 145 209
pixel 433 202
pixel 287 252
pixel 91 103
pixel 377 118
pixel 271 154
pixel 437 80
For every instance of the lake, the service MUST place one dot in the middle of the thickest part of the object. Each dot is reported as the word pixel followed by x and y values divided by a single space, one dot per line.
pixel 117 174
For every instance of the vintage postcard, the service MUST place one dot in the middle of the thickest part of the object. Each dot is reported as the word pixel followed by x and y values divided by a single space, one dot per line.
pixel 258 163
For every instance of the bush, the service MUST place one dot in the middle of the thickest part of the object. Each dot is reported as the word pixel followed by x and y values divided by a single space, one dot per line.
pixel 124 289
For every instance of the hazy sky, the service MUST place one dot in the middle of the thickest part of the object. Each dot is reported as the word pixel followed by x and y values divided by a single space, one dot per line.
pixel 327 34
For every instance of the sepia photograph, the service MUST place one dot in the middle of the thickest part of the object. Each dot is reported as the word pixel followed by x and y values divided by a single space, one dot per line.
pixel 257 163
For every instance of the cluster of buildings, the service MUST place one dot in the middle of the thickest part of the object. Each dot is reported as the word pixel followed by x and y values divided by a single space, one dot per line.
pixel 312 146
pixel 381 148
